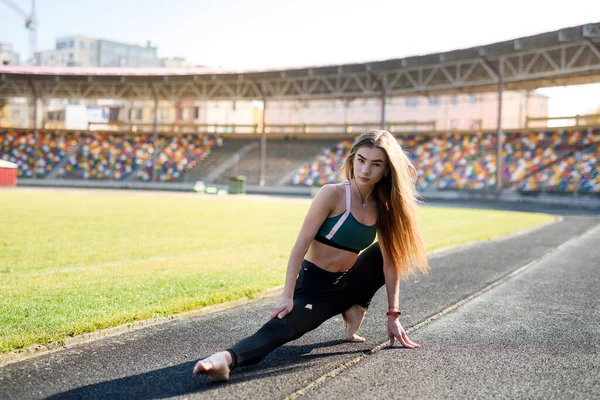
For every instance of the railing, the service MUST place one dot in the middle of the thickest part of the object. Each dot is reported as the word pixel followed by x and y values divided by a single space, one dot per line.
pixel 176 128
pixel 579 120
pixel 173 127
pixel 339 128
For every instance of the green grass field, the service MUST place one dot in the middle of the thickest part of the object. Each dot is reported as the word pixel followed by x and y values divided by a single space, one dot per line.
pixel 73 262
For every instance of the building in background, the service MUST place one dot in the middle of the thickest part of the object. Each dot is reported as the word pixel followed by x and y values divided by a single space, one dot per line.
pixel 7 55
pixel 115 54
pixel 449 113
pixel 83 51
pixel 70 51
pixel 106 114
pixel 217 113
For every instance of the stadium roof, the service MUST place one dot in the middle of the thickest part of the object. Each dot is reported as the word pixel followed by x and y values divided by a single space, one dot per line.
pixel 564 57
pixel 105 71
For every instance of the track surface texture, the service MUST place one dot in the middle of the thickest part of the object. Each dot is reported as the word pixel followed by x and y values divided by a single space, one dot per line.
pixel 515 317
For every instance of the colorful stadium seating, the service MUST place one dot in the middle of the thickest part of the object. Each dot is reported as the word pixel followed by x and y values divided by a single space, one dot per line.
pixel 106 156
pixel 544 160
pixel 566 160
pixel 179 155
pixel 323 169
pixel 19 146
pixel 578 172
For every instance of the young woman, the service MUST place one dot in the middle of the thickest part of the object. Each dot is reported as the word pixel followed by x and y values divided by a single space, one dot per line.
pixel 326 275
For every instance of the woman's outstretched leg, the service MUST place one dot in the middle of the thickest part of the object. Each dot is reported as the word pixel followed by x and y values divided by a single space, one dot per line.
pixel 250 350
pixel 319 295
pixel 306 315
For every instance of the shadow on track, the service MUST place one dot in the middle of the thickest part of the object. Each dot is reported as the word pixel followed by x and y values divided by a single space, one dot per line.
pixel 178 380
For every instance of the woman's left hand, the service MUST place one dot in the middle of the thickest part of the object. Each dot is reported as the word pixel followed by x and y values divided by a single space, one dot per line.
pixel 395 331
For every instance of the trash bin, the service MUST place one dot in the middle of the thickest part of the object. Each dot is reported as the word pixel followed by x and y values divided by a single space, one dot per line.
pixel 237 185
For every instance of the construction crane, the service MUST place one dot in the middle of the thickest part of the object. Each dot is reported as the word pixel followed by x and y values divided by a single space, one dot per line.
pixel 30 24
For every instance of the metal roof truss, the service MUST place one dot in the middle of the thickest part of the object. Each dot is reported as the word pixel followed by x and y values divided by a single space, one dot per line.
pixel 563 64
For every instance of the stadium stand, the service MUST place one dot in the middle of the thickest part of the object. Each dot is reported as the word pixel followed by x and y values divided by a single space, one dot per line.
pixel 283 157
pixel 19 146
pixel 560 161
pixel 180 154
pixel 549 160
pixel 221 152
pixel 106 156
pixel 574 159
pixel 323 169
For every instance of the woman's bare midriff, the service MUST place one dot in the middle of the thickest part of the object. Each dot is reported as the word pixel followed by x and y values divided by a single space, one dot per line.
pixel 329 258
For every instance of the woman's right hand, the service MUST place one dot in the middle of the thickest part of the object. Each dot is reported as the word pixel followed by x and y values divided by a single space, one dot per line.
pixel 282 308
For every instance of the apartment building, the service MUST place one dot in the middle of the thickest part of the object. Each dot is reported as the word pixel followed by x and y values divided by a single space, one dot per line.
pixel 83 51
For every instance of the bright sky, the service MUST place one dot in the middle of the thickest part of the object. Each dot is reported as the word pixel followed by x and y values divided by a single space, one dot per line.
pixel 287 33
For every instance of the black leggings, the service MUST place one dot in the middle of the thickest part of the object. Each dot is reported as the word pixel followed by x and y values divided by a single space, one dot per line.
pixel 318 296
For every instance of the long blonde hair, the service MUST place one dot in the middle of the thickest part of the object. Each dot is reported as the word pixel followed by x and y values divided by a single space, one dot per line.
pixel 398 226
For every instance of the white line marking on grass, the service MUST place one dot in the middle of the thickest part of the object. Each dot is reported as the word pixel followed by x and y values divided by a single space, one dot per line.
pixel 127 263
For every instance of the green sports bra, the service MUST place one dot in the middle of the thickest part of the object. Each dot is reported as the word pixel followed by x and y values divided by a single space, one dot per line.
pixel 344 232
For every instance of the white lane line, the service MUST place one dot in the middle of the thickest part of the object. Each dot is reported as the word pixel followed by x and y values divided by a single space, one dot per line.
pixel 341 368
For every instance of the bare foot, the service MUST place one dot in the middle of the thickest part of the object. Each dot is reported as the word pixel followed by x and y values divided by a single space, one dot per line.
pixel 354 317
pixel 216 367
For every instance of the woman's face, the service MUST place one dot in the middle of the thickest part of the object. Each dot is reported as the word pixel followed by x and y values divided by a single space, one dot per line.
pixel 370 164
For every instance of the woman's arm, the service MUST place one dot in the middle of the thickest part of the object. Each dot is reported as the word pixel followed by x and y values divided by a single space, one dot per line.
pixel 392 287
pixel 324 202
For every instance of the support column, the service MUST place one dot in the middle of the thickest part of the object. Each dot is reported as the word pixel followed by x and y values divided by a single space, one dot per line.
pixel 35 134
pixel 499 134
pixel 383 98
pixel 527 107
pixel 382 86
pixel 263 136
pixel 35 128
pixel 263 144
pixel 155 139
